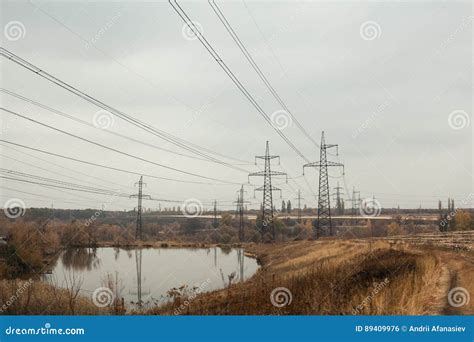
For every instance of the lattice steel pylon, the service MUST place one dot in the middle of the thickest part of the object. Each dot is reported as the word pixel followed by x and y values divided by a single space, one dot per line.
pixel 268 226
pixel 215 222
pixel 240 212
pixel 140 196
pixel 355 202
pixel 339 200
pixel 299 198
pixel 324 223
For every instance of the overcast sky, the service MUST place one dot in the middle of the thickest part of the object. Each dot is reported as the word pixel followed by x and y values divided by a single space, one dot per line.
pixel 391 83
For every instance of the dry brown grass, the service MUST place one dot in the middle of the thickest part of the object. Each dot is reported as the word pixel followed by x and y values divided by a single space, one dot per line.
pixel 328 278
pixel 459 272
pixel 324 278
pixel 28 297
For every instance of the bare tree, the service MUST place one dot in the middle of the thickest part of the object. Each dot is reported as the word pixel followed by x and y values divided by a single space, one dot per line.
pixel 73 286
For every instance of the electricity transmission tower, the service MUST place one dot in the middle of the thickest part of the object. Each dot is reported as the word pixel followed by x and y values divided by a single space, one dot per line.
pixel 215 224
pixel 339 200
pixel 324 223
pixel 355 202
pixel 240 212
pixel 237 206
pixel 140 196
pixel 299 198
pixel 268 226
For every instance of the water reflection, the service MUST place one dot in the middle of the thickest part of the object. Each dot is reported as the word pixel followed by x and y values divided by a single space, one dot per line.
pixel 139 292
pixel 79 259
pixel 240 262
pixel 138 258
pixel 146 275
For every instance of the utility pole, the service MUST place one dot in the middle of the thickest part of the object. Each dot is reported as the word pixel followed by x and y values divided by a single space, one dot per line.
pixel 268 226
pixel 215 224
pixel 299 198
pixel 324 223
pixel 140 196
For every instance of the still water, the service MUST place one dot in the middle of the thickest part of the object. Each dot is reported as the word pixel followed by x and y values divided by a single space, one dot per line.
pixel 145 275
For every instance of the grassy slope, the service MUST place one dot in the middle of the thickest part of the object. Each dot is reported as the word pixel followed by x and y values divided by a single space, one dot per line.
pixel 339 277
pixel 324 277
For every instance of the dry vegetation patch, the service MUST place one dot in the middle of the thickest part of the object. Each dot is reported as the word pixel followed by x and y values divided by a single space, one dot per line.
pixel 330 278
pixel 28 297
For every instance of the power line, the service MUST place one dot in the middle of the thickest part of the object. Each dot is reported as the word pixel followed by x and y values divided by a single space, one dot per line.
pixel 77 195
pixel 105 166
pixel 74 187
pixel 262 76
pixel 51 171
pixel 60 113
pixel 58 173
pixel 63 200
pixel 40 178
pixel 251 61
pixel 113 149
pixel 257 69
pixel 105 192
pixel 277 60
pixel 124 116
pixel 60 184
pixel 179 10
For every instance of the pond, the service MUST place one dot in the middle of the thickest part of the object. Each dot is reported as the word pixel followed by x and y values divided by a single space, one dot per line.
pixel 144 276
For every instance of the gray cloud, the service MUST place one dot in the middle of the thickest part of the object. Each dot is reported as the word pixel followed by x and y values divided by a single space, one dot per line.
pixel 395 91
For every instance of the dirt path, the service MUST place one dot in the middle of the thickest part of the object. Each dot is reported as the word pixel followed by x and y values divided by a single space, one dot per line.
pixel 457 276
pixel 460 266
